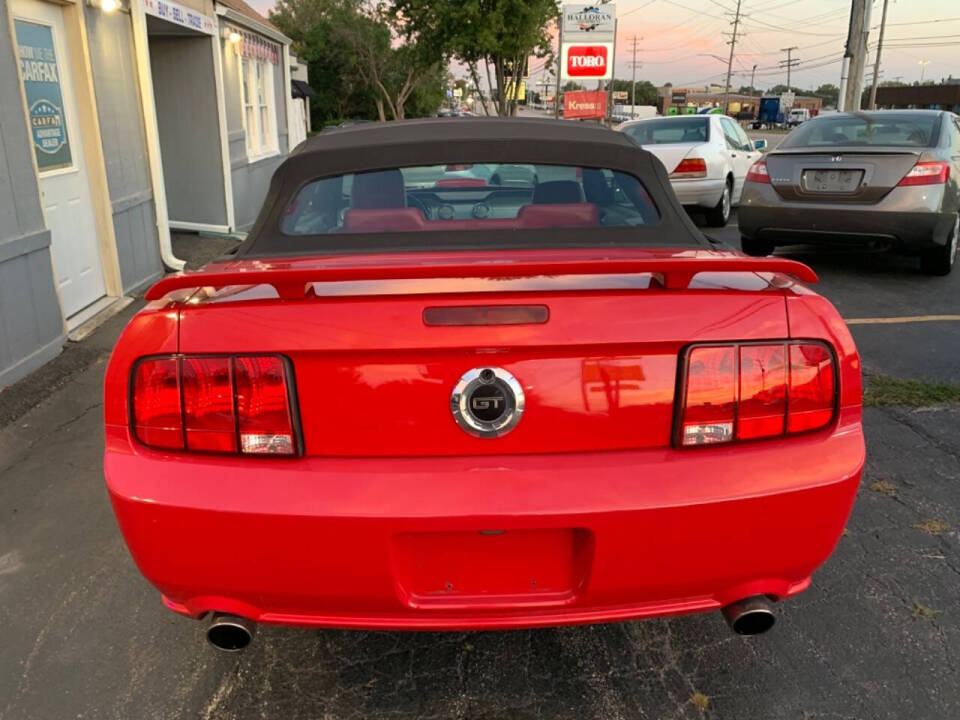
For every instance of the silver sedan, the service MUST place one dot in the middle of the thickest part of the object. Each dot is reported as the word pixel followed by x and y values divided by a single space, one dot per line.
pixel 883 179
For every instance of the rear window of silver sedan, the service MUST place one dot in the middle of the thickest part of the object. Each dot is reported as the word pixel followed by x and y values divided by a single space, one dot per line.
pixel 867 129
pixel 664 131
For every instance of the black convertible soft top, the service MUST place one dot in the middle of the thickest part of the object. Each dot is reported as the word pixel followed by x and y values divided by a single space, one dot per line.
pixel 380 146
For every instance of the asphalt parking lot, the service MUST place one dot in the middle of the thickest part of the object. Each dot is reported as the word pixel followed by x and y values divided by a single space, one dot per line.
pixel 876 636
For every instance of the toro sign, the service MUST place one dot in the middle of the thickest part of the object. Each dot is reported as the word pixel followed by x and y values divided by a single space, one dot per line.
pixel 587 61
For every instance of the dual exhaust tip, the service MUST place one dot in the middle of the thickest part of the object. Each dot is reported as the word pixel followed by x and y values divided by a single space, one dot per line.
pixel 750 616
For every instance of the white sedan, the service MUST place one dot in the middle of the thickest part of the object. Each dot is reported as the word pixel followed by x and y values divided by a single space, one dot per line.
pixel 706 156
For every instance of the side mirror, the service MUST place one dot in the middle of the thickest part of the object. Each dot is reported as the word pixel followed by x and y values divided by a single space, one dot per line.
pixel 759 144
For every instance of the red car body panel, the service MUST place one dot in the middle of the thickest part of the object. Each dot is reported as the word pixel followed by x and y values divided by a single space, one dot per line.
pixel 393 517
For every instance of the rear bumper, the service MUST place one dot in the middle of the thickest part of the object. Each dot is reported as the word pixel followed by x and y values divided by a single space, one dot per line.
pixel 907 218
pixel 698 193
pixel 370 543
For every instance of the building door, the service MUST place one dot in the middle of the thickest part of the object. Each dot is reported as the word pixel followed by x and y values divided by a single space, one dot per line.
pixel 55 135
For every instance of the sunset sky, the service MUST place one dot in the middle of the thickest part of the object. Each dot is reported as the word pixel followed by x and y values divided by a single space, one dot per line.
pixel 677 38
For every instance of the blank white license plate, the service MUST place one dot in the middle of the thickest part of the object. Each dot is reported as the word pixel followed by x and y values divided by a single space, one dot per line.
pixel 832 181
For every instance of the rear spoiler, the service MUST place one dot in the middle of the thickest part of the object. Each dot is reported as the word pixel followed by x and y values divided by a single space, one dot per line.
pixel 670 273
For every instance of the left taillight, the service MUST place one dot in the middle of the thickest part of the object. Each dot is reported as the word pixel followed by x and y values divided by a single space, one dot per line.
pixel 690 168
pixel 204 403
pixel 758 173
pixel 751 391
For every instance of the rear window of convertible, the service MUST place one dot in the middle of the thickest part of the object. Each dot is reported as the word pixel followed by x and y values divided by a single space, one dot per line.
pixel 469 196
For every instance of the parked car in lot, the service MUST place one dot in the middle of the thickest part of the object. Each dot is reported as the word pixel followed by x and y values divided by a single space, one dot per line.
pixel 706 156
pixel 888 179
pixel 445 406
pixel 798 116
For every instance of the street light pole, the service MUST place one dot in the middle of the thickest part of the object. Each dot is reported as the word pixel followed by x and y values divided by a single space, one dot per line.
pixel 923 68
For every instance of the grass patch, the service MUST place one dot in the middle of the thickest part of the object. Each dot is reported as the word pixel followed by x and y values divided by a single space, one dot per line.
pixel 884 487
pixel 924 612
pixel 932 527
pixel 885 390
pixel 700 700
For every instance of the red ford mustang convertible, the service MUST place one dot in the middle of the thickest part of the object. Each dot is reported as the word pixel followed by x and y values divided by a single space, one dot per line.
pixel 480 374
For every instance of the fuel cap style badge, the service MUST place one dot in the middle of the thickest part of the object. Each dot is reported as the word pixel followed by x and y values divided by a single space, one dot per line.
pixel 487 402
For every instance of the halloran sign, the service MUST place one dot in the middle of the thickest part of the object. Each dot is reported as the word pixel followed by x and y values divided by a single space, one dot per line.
pixel 587 60
pixel 588 22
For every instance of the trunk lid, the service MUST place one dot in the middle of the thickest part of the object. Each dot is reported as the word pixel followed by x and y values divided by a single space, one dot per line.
pixel 598 369
pixel 838 174
pixel 670 154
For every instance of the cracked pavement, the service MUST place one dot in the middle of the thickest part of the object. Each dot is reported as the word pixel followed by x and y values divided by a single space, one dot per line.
pixel 876 636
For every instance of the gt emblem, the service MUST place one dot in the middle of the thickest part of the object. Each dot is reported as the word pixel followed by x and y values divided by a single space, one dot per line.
pixel 487 402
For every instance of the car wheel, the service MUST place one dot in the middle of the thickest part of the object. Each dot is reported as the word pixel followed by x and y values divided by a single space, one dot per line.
pixel 940 260
pixel 756 248
pixel 720 215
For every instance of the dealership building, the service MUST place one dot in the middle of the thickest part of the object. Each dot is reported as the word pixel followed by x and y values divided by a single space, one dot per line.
pixel 119 121
pixel 945 96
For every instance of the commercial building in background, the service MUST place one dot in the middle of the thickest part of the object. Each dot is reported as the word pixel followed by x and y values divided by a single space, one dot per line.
pixel 683 101
pixel 119 120
pixel 945 96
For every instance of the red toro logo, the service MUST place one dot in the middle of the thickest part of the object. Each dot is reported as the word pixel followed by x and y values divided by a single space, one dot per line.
pixel 587 61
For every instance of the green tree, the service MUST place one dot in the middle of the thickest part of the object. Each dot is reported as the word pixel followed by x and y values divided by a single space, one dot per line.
pixel 356 62
pixel 496 35
pixel 829 93
pixel 646 91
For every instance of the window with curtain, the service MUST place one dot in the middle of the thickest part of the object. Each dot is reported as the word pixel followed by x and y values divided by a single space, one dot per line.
pixel 259 106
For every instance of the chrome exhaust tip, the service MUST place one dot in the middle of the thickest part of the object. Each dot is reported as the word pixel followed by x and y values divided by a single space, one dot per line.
pixel 750 616
pixel 230 633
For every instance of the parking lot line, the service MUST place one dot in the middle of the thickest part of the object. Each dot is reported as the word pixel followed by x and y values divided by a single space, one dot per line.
pixel 905 319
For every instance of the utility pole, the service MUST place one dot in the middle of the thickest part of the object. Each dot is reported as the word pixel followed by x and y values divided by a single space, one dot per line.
pixel 611 84
pixel 633 79
pixel 876 60
pixel 556 95
pixel 733 45
pixel 789 62
pixel 854 57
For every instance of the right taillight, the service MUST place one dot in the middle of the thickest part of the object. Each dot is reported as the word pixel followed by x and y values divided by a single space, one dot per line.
pixel 207 403
pixel 750 391
pixel 690 168
pixel 926 173
pixel 758 173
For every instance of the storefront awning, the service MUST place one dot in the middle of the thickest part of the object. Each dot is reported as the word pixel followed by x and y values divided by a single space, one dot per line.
pixel 299 89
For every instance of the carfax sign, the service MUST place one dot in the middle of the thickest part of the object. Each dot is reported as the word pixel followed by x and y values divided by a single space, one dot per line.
pixel 41 85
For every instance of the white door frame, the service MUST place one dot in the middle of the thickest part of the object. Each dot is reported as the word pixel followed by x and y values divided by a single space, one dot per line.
pixel 141 48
